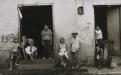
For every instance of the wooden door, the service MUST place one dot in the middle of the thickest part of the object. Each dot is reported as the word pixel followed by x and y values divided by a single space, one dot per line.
pixel 113 28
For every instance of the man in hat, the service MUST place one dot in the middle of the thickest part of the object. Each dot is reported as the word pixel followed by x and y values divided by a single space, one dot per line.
pixel 75 47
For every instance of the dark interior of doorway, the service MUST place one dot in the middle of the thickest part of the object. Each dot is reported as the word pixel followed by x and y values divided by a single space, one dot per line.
pixel 33 20
pixel 101 19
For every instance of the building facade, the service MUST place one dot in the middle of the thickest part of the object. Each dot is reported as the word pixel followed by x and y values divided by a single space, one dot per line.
pixel 66 17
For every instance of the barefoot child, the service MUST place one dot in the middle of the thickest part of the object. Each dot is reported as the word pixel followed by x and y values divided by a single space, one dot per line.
pixel 14 54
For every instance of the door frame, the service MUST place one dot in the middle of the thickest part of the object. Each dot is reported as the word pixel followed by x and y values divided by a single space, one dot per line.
pixel 119 19
pixel 53 21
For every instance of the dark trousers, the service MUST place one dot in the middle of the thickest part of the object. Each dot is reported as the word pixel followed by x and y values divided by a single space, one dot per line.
pixel 14 58
pixel 100 43
pixel 22 54
pixel 74 58
pixel 47 48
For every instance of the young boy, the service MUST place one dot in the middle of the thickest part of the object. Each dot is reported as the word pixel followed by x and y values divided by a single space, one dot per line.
pixel 14 53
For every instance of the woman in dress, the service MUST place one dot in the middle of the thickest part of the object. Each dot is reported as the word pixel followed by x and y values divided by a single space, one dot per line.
pixel 63 53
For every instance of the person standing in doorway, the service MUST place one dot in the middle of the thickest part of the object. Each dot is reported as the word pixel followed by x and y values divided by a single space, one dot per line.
pixel 99 53
pixel 99 37
pixel 47 41
pixel 75 47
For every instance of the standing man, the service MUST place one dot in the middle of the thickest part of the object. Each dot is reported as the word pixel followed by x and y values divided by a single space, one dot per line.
pixel 75 47
pixel 47 41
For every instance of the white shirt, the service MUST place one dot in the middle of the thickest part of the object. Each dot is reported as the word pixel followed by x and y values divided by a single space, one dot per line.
pixel 62 47
pixel 99 34
pixel 75 42
pixel 28 51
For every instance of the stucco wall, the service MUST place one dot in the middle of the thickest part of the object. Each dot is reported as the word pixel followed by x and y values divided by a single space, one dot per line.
pixel 65 20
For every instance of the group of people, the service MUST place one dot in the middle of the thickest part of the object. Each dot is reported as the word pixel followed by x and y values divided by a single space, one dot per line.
pixel 74 50
pixel 28 50
pixel 25 50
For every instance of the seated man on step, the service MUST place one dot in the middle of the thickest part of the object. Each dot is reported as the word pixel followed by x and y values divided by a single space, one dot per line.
pixel 31 49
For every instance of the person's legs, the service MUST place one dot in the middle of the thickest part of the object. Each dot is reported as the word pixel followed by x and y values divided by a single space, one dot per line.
pixel 31 57
pixel 76 60
pixel 11 61
pixel 49 48
pixel 16 58
pixel 73 59
pixel 45 48
pixel 61 59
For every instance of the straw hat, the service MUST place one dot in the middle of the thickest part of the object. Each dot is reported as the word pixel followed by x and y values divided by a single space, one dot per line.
pixel 74 32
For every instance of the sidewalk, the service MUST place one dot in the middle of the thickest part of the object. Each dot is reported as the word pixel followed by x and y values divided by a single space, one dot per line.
pixel 56 71
pixel 104 71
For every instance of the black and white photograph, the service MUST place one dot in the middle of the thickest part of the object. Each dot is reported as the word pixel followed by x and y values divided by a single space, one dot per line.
pixel 60 37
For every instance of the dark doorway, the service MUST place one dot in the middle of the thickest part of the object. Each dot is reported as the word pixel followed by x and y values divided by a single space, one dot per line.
pixel 101 19
pixel 33 20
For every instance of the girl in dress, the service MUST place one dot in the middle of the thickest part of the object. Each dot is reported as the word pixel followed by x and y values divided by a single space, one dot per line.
pixel 63 53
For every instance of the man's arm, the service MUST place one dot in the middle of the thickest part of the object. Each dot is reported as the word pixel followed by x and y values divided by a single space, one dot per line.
pixel 79 47
pixel 71 45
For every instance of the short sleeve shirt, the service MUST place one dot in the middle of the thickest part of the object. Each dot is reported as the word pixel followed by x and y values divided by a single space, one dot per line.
pixel 28 51
pixel 46 35
pixel 99 34
pixel 15 48
pixel 75 44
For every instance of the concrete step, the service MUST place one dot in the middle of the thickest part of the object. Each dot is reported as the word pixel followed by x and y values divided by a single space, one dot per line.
pixel 36 64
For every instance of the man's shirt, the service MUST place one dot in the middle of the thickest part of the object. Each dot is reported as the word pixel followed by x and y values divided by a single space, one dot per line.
pixel 30 50
pixel 99 34
pixel 46 35
pixel 75 44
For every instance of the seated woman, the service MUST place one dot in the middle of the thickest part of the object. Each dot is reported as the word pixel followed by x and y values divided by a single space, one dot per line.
pixel 63 53
pixel 31 49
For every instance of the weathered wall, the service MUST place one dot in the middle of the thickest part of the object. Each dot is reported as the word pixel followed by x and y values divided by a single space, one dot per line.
pixel 65 19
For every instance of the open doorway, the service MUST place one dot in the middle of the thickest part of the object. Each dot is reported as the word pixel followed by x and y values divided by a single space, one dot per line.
pixel 108 19
pixel 33 20
pixel 101 19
